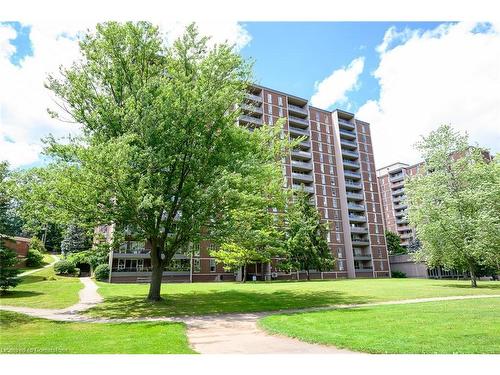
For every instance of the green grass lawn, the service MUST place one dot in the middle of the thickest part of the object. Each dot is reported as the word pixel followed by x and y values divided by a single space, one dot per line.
pixel 43 289
pixel 47 259
pixel 128 300
pixel 25 335
pixel 467 326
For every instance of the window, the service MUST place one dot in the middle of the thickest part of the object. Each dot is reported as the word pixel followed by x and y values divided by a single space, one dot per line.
pixel 320 156
pixel 322 168
pixel 341 265
pixel 339 252
pixel 324 189
pixel 328 238
pixel 213 265
pixel 318 127
pixel 140 265
pixel 270 109
pixel 121 264
pixel 327 120
pixel 280 102
pixel 280 111
pixel 381 266
pixel 324 201
pixel 196 265
pixel 363 129
pixel 326 216
pixel 331 172
pixel 334 203
pixel 270 122
pixel 323 180
pixel 269 98
pixel 196 249
pixel 330 159
pixel 317 116
pixel 337 236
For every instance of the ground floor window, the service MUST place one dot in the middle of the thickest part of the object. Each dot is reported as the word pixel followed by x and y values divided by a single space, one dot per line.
pixel 213 265
pixel 196 265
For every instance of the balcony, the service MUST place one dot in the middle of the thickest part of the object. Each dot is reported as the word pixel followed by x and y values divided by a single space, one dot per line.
pixel 255 98
pixel 406 236
pixel 295 109
pixel 298 132
pixel 399 199
pixel 301 165
pixel 346 124
pixel 348 144
pixel 302 177
pixel 400 213
pixel 357 218
pixel 400 206
pixel 355 207
pixel 406 228
pixel 352 174
pixel 251 109
pixel 350 154
pixel 308 189
pixel 250 120
pixel 397 177
pixel 347 134
pixel 361 255
pixel 397 185
pixel 398 192
pixel 299 122
pixel 305 145
pixel 304 155
pixel 402 221
pixel 360 243
pixel 354 196
pixel 355 229
pixel 353 185
pixel 350 164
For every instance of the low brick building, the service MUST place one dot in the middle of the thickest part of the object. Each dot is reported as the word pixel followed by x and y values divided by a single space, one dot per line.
pixel 20 246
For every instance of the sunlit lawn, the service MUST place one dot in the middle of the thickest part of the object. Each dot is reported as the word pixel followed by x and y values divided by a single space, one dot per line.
pixel 43 289
pixel 20 334
pixel 128 300
pixel 47 259
pixel 467 326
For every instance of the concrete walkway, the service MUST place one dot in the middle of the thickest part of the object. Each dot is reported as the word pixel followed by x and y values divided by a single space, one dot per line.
pixel 56 259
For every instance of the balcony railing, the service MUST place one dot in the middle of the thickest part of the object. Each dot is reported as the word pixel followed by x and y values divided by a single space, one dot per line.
pixel 251 108
pixel 298 121
pixel 349 163
pixel 297 109
pixel 346 124
pixel 355 207
pixel 353 184
pixel 399 199
pixel 302 165
pixel 302 177
pixel 305 144
pixel 346 142
pixel 400 206
pixel 397 177
pixel 348 134
pixel 351 174
pixel 360 242
pixel 350 153
pixel 256 98
pixel 358 229
pixel 398 192
pixel 302 154
pixel 308 189
pixel 297 131
pixel 251 119
pixel 354 196
pixel 357 218
pixel 402 221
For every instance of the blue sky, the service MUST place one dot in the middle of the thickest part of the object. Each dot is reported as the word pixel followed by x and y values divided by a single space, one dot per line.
pixel 426 74
pixel 291 56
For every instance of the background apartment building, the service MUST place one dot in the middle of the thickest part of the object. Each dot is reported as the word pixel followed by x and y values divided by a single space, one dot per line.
pixel 334 163
pixel 391 181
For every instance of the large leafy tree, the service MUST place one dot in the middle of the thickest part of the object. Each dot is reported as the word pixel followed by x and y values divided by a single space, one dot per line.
pixel 160 137
pixel 455 204
pixel 75 240
pixel 10 222
pixel 251 223
pixel 307 246
pixel 394 243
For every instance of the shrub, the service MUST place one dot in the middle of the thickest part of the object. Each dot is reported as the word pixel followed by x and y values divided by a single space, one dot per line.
pixel 101 272
pixel 64 267
pixel 398 274
pixel 34 258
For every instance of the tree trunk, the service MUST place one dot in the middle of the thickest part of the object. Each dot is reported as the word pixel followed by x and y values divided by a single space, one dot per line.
pixel 308 276
pixel 244 278
pixel 156 273
pixel 473 279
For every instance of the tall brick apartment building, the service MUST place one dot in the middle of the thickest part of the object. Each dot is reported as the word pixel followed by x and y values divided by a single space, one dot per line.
pixel 334 163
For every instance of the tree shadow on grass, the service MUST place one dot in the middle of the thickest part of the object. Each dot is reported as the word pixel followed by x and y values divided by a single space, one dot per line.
pixel 489 285
pixel 219 302
pixel 19 294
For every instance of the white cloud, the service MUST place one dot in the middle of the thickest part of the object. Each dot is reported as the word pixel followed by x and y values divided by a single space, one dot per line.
pixel 333 88
pixel 24 100
pixel 446 75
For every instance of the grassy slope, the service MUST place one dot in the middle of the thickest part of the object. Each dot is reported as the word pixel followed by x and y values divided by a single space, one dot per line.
pixel 468 326
pixel 124 300
pixel 44 289
pixel 22 334
pixel 47 259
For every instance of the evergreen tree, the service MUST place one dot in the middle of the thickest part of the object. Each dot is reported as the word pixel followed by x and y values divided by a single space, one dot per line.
pixel 394 244
pixel 8 272
pixel 75 240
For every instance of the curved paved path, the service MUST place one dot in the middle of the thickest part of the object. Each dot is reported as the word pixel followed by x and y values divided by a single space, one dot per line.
pixel 54 257
pixel 222 333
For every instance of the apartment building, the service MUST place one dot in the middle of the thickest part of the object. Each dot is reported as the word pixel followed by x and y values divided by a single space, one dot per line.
pixel 334 163
pixel 391 181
